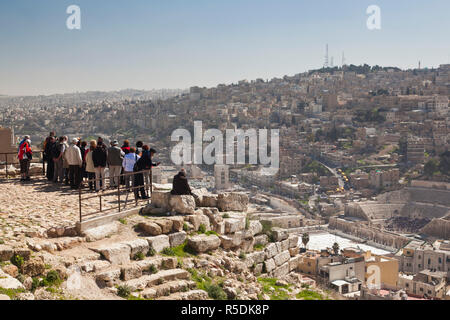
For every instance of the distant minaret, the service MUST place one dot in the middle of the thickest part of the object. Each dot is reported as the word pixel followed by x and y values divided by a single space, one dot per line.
pixel 326 65
pixel 419 65
pixel 343 58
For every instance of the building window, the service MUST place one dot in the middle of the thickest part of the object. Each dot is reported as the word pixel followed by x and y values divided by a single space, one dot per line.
pixel 429 261
pixel 429 291
pixel 407 285
pixel 440 260
pixel 420 265
pixel 421 289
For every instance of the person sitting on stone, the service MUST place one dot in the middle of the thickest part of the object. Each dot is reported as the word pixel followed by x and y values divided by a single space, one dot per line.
pixel 180 184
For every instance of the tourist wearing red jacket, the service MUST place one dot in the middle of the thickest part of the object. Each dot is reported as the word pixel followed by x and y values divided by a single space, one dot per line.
pixel 25 156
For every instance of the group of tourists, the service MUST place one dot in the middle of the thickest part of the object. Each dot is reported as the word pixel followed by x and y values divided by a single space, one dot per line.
pixel 73 163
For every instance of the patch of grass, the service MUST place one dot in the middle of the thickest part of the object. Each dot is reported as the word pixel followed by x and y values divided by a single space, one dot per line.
pixel 151 252
pixel 47 266
pixel 225 216
pixel 185 227
pixel 276 292
pixel 152 269
pixel 209 233
pixel 182 251
pixel 123 221
pixel 11 293
pixel 202 228
pixel 139 256
pixel 131 298
pixel 242 255
pixel 2 241
pixel 258 247
pixel 168 252
pixel 207 284
pixel 123 291
pixel 309 295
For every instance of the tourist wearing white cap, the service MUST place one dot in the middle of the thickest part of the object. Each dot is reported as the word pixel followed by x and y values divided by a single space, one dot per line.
pixel 75 161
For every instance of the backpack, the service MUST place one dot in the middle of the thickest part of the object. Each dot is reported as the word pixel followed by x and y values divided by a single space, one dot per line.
pixel 135 167
pixel 56 150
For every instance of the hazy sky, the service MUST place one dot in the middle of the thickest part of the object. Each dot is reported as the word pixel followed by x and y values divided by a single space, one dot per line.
pixel 145 44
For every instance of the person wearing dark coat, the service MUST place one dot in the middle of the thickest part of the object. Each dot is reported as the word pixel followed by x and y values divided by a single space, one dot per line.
pixel 180 185
pixel 48 146
pixel 99 157
pixel 144 163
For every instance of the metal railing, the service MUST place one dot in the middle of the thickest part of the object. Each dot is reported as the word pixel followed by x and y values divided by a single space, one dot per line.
pixel 119 191
pixel 6 155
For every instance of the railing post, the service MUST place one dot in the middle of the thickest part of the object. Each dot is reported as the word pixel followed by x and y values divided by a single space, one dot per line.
pixel 6 166
pixel 151 181
pixel 118 191
pixel 43 163
pixel 79 202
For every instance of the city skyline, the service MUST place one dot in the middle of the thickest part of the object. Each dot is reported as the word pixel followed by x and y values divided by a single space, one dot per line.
pixel 153 45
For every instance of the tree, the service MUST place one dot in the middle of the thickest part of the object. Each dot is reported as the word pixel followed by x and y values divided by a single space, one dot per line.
pixel 431 167
pixel 444 164
pixel 305 239
pixel 336 248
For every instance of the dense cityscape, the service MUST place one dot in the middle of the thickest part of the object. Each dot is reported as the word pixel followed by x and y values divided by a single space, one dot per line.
pixel 363 183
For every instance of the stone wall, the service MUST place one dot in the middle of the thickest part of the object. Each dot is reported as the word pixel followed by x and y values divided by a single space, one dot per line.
pixel 363 231
pixel 439 228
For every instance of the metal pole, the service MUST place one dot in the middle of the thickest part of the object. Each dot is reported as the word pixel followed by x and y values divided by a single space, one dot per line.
pixel 79 202
pixel 6 165
pixel 43 163
pixel 151 181
pixel 118 191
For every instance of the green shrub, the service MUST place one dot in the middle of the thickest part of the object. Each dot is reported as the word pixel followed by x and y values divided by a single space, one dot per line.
pixel 151 252
pixel 35 284
pixel 216 292
pixel 139 256
pixel 202 228
pixel 52 278
pixel 17 261
pixel 225 216
pixel 152 269
pixel 209 233
pixel 185 227
pixel 123 221
pixel 168 252
pixel 242 255
pixel 123 291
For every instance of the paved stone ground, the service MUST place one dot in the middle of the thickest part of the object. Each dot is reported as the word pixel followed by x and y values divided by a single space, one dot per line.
pixel 31 208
